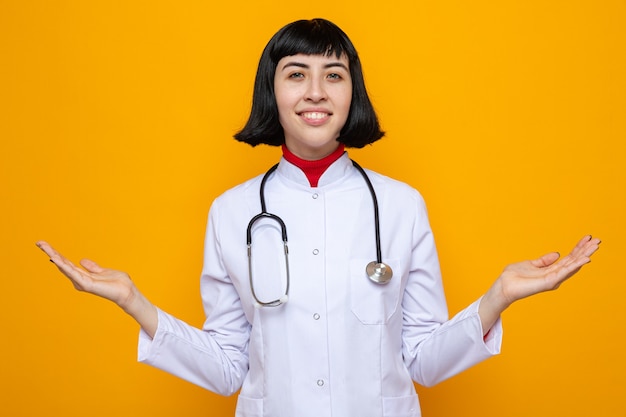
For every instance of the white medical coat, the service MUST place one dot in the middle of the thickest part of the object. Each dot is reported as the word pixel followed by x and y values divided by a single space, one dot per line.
pixel 342 345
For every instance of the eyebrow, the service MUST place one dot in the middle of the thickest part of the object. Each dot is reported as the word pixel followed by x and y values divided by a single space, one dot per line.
pixel 306 66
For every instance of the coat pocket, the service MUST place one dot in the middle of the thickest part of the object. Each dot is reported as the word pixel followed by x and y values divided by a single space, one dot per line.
pixel 370 302
pixel 249 407
pixel 408 406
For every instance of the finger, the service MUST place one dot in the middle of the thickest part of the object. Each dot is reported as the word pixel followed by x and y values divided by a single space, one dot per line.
pixel 81 279
pixel 586 246
pixel 592 246
pixel 55 257
pixel 581 254
pixel 47 249
pixel 64 265
pixel 569 266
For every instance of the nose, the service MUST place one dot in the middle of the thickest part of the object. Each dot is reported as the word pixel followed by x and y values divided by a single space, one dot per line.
pixel 315 90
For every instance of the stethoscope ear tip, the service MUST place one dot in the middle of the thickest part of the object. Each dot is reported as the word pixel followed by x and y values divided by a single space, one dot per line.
pixel 283 299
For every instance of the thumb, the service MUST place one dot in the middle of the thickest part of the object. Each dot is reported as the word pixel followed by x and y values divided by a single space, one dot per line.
pixel 91 266
pixel 546 260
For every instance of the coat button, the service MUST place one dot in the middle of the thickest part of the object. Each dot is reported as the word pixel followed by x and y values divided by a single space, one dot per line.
pixel 316 316
pixel 320 382
pixel 316 251
pixel 315 195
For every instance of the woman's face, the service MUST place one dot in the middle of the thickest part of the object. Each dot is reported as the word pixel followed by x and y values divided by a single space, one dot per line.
pixel 313 95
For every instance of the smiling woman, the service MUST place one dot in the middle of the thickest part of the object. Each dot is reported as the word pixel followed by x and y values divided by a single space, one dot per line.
pixel 313 96
pixel 341 344
pixel 316 38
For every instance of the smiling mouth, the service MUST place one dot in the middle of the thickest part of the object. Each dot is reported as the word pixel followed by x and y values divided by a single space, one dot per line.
pixel 315 115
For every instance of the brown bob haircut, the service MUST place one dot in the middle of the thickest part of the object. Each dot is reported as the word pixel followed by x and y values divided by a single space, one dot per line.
pixel 310 37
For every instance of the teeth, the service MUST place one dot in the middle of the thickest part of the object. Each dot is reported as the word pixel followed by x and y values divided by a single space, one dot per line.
pixel 314 115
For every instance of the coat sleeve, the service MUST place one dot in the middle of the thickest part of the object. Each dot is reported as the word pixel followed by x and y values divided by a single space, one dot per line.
pixel 435 348
pixel 216 356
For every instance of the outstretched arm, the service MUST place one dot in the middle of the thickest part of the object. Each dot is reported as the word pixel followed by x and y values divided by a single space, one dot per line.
pixel 107 283
pixel 523 279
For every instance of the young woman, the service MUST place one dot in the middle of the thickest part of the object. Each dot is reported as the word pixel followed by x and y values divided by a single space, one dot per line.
pixel 333 304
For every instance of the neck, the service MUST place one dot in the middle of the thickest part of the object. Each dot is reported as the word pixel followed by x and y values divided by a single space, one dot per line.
pixel 313 169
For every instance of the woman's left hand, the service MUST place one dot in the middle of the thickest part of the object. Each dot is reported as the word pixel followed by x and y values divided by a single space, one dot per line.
pixel 523 279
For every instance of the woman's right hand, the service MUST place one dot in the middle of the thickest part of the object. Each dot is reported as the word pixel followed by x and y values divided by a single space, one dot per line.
pixel 107 283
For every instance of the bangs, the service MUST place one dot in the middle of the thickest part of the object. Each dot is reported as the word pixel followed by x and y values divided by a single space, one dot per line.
pixel 311 37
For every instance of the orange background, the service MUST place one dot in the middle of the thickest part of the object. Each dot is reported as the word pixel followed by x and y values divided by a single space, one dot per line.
pixel 116 121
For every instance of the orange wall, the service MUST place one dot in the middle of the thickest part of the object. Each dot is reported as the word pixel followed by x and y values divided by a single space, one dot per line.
pixel 115 136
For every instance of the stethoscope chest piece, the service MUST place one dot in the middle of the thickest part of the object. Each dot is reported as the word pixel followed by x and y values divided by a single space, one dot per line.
pixel 379 272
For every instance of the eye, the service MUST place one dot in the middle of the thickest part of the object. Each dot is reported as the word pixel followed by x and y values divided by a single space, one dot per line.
pixel 296 75
pixel 334 76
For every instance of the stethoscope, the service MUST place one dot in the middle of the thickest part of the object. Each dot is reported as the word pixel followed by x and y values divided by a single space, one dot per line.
pixel 377 271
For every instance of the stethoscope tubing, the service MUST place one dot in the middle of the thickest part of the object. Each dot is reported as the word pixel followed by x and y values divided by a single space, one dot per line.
pixel 379 256
pixel 283 230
